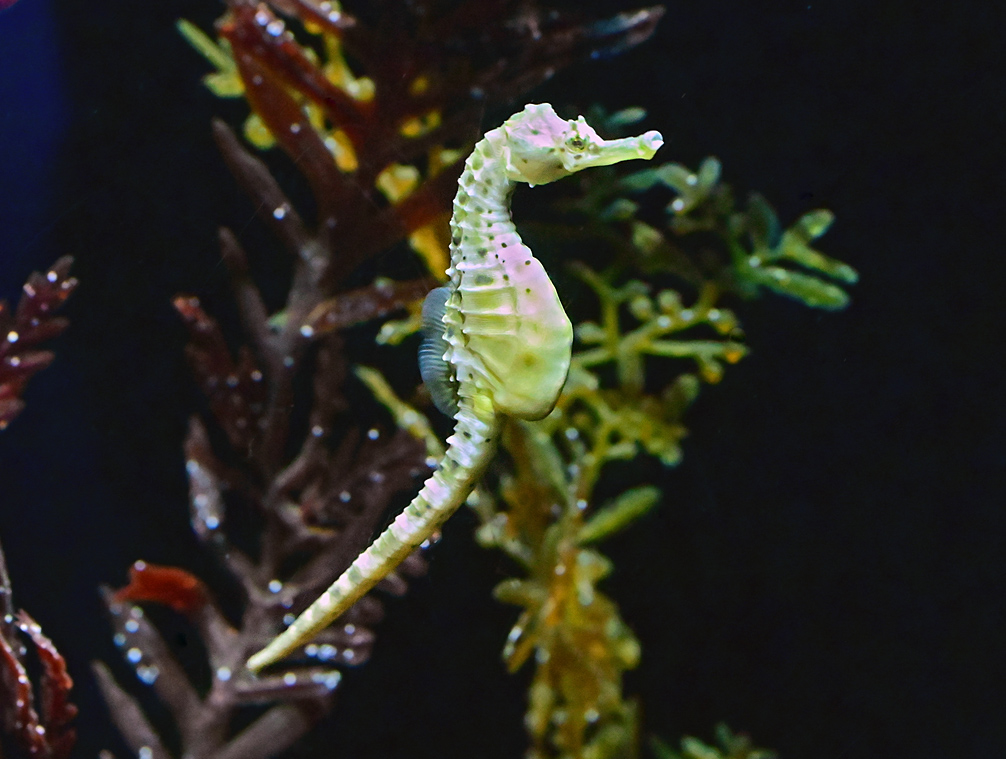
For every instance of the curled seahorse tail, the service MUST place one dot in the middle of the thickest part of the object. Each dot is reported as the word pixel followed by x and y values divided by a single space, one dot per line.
pixel 469 450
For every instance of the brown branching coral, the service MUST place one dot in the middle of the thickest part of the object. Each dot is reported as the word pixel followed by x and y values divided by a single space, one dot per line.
pixel 33 321
pixel 38 720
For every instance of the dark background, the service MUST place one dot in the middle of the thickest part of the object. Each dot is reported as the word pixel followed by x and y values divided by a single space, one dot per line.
pixel 827 570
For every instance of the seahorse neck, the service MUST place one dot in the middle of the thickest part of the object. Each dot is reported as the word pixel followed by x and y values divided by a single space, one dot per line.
pixel 481 218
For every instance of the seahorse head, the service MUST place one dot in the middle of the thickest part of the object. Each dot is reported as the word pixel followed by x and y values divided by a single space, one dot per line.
pixel 540 147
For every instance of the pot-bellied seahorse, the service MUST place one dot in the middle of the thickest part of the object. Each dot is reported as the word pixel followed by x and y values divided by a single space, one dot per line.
pixel 498 340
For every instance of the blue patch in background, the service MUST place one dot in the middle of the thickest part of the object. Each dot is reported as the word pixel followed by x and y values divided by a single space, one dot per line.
pixel 33 118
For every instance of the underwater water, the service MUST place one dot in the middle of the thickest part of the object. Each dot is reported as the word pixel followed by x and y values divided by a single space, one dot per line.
pixel 826 569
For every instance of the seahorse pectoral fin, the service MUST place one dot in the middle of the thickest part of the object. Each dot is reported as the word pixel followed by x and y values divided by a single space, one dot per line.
pixel 433 366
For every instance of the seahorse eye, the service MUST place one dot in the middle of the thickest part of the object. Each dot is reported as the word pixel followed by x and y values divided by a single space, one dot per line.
pixel 575 143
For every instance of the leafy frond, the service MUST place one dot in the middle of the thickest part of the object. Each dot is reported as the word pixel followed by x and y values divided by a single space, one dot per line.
pixel 729 745
pixel 33 321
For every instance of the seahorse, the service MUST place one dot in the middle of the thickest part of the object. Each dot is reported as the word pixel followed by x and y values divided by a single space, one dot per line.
pixel 498 341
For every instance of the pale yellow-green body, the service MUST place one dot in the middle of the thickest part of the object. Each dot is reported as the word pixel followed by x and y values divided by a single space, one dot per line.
pixel 507 340
pixel 507 330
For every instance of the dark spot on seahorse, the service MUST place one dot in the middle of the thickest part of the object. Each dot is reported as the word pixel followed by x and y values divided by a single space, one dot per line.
pixel 527 290
pixel 497 256
pixel 467 434
pixel 456 239
pixel 492 237
pixel 506 277
pixel 482 279
pixel 528 262
pixel 502 244
pixel 483 251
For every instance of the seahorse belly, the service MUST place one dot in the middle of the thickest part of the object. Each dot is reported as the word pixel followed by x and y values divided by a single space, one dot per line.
pixel 511 318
